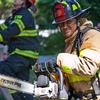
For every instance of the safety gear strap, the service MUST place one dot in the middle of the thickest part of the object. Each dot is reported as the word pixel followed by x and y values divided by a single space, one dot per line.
pixel 79 38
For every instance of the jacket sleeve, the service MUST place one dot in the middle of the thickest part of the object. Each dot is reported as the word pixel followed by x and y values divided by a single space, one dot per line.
pixel 90 53
pixel 14 28
pixel 89 60
pixel 17 25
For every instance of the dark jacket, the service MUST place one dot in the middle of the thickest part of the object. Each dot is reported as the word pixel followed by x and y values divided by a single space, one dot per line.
pixel 19 33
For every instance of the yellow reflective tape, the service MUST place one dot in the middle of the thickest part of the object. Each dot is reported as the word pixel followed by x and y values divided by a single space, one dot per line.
pixel 67 69
pixel 20 24
pixel 65 3
pixel 99 73
pixel 26 53
pixel 3 26
pixel 1 38
pixel 78 5
pixel 77 78
pixel 73 77
pixel 82 53
pixel 28 33
pixel 18 17
pixel 74 7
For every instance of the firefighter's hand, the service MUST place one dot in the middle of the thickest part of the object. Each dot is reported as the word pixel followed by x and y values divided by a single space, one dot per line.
pixel 67 62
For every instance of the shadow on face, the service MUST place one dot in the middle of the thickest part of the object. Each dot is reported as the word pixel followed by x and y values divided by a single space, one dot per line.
pixel 68 27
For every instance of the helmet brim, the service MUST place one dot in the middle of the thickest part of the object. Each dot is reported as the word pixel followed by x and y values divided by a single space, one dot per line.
pixel 81 14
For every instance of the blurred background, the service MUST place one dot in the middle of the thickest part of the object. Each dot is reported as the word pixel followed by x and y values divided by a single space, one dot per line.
pixel 52 41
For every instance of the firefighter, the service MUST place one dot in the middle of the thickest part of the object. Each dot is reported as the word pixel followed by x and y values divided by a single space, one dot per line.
pixel 81 59
pixel 21 36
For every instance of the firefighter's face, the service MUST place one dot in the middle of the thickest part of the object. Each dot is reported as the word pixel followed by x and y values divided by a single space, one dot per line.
pixel 19 3
pixel 68 27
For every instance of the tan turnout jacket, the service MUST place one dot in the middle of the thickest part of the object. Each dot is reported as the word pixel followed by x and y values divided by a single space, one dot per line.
pixel 89 58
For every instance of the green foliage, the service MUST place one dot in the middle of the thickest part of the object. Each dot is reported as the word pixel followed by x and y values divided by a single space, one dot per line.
pixel 95 12
pixel 53 44
pixel 5 8
pixel 95 9
pixel 44 16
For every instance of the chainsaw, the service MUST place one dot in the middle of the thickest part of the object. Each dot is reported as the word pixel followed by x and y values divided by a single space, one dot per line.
pixel 45 86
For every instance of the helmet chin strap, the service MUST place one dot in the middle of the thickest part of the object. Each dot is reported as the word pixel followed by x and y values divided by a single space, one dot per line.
pixel 77 42
pixel 78 25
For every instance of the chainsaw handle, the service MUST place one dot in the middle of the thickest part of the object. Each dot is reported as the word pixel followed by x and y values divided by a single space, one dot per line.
pixel 61 77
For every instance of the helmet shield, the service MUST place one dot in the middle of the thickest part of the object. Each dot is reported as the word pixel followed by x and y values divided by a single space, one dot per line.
pixel 59 12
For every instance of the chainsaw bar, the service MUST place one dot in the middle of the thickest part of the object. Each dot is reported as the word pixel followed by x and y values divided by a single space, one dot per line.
pixel 16 84
pixel 50 91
